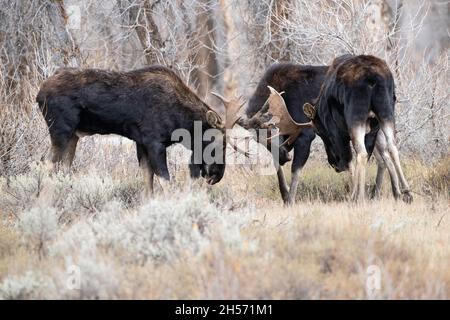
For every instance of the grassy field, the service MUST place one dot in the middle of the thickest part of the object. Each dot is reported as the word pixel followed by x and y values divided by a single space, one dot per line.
pixel 90 234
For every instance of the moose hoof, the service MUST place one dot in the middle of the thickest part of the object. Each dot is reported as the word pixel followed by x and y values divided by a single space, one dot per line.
pixel 407 197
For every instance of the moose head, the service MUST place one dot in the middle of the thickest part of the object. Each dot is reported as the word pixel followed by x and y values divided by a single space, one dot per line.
pixel 274 115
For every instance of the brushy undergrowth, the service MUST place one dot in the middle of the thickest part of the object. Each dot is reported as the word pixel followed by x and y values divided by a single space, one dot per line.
pixel 94 236
pixel 321 183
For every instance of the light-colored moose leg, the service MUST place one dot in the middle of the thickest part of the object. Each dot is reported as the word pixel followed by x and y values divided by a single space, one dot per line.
pixel 352 171
pixel 358 132
pixel 382 152
pixel 295 178
pixel 381 168
pixel 388 130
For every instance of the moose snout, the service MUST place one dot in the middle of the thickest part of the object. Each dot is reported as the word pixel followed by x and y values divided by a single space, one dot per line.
pixel 213 180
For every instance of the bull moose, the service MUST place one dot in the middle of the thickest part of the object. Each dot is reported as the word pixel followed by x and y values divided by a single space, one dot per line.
pixel 356 101
pixel 145 105
pixel 301 86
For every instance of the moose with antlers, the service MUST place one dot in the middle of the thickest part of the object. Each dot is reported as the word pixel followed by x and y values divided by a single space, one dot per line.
pixel 301 85
pixel 357 104
pixel 355 98
pixel 145 105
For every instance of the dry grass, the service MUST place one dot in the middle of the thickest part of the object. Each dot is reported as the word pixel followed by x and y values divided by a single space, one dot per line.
pixel 323 252
pixel 233 240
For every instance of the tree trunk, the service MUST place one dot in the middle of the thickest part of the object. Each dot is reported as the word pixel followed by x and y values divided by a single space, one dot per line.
pixel 231 84
pixel 147 30
pixel 280 46
pixel 67 53
pixel 204 58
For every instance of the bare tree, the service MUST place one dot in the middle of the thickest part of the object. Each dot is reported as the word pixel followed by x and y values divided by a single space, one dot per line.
pixel 204 57
pixel 34 41
pixel 141 18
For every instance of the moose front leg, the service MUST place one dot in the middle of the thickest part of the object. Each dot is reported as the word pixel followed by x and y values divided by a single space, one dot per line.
pixel 157 156
pixel 144 164
pixel 282 184
pixel 302 149
pixel 195 171
pixel 195 166
pixel 358 132
pixel 295 177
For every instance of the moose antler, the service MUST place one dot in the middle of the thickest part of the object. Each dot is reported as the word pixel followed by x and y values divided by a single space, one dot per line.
pixel 232 108
pixel 282 119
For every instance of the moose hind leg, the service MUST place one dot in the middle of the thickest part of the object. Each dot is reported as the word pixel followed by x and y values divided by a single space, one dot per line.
pixel 62 151
pixel 70 151
pixel 388 130
pixel 62 127
pixel 358 132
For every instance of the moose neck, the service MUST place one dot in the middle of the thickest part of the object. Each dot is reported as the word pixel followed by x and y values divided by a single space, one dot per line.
pixel 332 131
pixel 193 130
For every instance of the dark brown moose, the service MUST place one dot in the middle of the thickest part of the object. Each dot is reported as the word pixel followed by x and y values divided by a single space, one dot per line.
pixel 145 105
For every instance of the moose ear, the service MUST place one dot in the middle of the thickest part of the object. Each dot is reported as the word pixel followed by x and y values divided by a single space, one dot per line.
pixel 309 110
pixel 213 119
